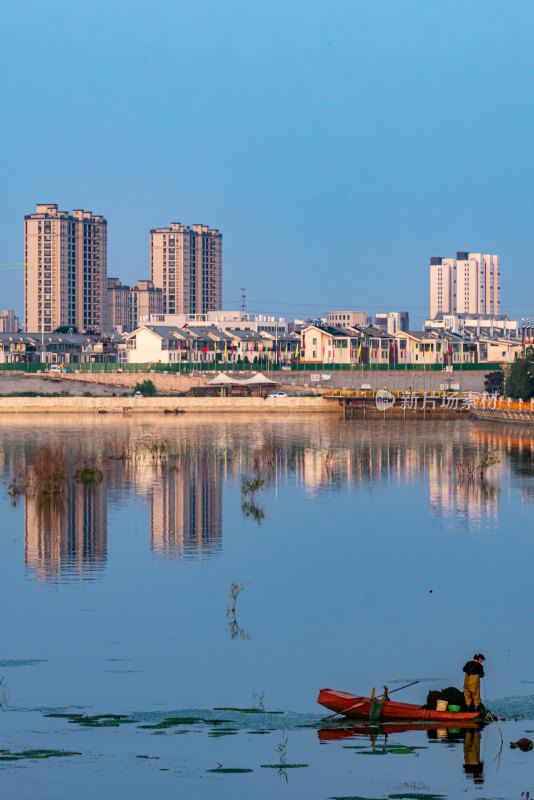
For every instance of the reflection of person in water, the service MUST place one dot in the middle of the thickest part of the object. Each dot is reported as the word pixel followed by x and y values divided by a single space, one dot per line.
pixel 472 764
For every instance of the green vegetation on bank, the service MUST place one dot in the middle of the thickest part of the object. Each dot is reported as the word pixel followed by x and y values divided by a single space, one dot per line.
pixel 147 388
pixel 494 382
pixel 520 378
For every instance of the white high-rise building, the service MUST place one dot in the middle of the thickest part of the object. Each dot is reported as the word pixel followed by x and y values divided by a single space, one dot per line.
pixel 467 284
pixel 442 286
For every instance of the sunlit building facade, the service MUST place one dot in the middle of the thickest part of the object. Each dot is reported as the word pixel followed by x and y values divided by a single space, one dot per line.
pixel 65 270
pixel 186 264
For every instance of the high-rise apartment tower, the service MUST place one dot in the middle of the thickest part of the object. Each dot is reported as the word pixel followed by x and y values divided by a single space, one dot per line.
pixel 65 270
pixel 186 263
pixel 467 284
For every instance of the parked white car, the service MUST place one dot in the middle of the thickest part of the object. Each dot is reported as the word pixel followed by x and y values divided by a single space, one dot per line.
pixel 276 394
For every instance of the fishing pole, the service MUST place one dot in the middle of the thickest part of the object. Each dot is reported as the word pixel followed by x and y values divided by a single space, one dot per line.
pixel 405 686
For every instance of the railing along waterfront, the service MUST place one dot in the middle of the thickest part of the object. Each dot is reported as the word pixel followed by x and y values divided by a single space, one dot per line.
pixel 503 409
pixel 480 405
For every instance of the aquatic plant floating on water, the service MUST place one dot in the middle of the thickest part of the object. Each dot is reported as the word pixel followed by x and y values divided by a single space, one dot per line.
pixel 249 507
pixel 230 770
pixel 523 744
pixel 7 755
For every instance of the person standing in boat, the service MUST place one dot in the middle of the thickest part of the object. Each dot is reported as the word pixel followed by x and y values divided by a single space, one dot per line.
pixel 474 671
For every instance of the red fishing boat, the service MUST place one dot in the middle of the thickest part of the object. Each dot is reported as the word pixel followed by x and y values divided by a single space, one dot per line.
pixel 353 705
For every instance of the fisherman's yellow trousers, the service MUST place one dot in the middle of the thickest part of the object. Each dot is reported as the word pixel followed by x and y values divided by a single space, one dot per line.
pixel 472 690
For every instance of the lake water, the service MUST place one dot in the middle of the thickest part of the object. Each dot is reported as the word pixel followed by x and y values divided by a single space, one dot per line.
pixel 363 562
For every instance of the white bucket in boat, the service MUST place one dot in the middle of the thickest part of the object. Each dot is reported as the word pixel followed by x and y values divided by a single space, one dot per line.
pixel 441 705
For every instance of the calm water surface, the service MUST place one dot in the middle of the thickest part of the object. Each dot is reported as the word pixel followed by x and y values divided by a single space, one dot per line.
pixel 367 564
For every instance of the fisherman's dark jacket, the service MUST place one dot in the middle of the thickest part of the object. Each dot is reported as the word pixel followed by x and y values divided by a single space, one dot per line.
pixel 474 668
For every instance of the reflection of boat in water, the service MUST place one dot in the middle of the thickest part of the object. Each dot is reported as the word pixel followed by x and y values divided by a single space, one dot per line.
pixel 388 728
pixel 352 705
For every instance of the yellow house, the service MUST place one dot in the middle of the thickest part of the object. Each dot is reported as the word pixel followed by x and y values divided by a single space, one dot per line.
pixel 327 345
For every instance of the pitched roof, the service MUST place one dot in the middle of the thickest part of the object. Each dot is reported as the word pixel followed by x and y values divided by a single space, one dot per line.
pixel 245 334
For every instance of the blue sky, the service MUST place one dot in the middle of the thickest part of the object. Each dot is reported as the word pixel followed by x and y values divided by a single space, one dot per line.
pixel 337 145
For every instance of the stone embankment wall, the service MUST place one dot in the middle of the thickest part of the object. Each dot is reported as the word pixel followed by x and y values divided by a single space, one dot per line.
pixel 166 405
pixel 417 380
pixel 164 382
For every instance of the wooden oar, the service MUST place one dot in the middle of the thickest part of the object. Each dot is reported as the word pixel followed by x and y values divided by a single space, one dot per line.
pixel 357 705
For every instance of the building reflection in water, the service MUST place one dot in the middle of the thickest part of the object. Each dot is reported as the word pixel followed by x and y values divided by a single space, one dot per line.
pixel 185 494
pixel 67 541
pixel 186 507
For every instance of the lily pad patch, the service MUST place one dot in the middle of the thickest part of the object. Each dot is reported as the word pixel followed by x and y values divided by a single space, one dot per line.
pixel 172 722
pixel 7 755
pixel 416 796
pixel 246 710
pixel 229 770
pixel 96 721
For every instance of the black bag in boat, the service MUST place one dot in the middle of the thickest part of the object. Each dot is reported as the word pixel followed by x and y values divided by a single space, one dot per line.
pixel 432 698
pixel 453 696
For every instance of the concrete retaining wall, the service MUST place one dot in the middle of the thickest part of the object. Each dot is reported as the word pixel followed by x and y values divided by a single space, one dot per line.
pixel 160 405
pixel 164 382
pixel 469 380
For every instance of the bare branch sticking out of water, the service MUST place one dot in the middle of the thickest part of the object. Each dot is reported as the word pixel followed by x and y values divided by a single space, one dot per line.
pixel 4 694
pixel 236 631
pixel 282 754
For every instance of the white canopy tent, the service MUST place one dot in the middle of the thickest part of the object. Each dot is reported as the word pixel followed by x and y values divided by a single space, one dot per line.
pixel 222 380
pixel 258 380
